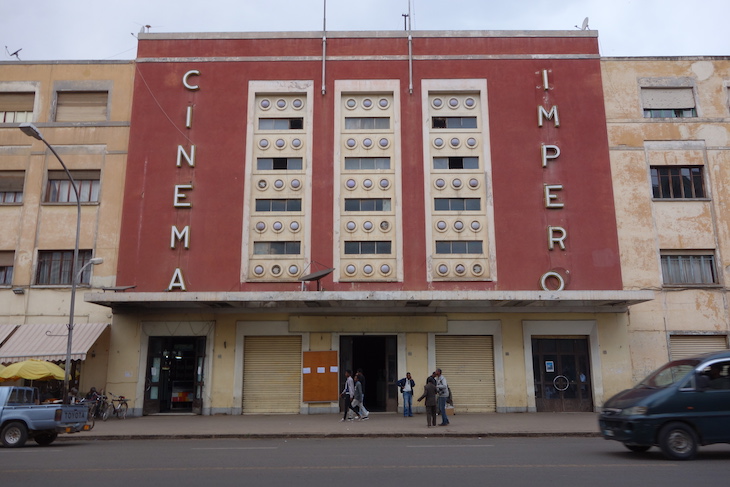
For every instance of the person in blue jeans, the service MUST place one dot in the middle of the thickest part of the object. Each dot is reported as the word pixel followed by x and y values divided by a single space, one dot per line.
pixel 406 385
pixel 443 392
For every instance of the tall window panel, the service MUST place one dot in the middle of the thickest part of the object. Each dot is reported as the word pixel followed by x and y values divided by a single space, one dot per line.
pixel 457 183
pixel 278 184
pixel 367 175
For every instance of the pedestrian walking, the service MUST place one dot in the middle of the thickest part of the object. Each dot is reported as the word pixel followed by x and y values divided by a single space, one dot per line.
pixel 360 378
pixel 443 395
pixel 407 384
pixel 429 393
pixel 348 392
pixel 357 405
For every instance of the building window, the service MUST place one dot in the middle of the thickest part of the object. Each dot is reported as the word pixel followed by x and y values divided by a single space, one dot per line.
pixel 457 204
pixel 366 163
pixel 454 122
pixel 11 186
pixel 367 123
pixel 368 247
pixel 367 204
pixel 459 247
pixel 279 205
pixel 677 182
pixel 668 102
pixel 456 163
pixel 60 190
pixel 279 163
pixel 16 107
pixel 688 269
pixel 276 248
pixel 7 259
pixel 82 106
pixel 281 123
pixel 54 267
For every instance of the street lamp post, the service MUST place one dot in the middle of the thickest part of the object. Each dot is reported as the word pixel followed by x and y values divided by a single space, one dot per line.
pixel 30 130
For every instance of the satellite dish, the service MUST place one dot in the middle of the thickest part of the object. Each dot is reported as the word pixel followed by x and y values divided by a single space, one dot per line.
pixel 584 26
pixel 316 276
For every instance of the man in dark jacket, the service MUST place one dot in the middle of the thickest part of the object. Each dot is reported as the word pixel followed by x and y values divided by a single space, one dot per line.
pixel 406 385
pixel 429 393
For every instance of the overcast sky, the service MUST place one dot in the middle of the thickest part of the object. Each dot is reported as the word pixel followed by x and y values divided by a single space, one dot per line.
pixel 102 30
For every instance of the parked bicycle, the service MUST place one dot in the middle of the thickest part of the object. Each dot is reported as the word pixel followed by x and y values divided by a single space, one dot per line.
pixel 118 407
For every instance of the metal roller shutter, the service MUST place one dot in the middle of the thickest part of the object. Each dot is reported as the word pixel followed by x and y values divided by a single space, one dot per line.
pixel 467 363
pixel 272 374
pixel 683 346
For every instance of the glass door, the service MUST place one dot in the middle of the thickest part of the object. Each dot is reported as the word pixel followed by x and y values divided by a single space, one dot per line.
pixel 561 368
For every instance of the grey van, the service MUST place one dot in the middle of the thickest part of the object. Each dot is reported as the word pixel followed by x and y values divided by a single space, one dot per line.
pixel 684 404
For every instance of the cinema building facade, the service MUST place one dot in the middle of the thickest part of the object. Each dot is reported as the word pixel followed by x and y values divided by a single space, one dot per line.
pixel 298 205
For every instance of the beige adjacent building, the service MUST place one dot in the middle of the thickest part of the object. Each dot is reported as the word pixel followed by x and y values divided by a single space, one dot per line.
pixel 83 110
pixel 669 135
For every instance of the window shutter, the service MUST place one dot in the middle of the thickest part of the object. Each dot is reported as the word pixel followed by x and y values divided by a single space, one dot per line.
pixel 81 106
pixel 683 346
pixel 7 258
pixel 12 180
pixel 16 102
pixel 667 98
pixel 92 174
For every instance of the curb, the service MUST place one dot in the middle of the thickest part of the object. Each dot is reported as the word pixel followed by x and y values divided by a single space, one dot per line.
pixel 184 436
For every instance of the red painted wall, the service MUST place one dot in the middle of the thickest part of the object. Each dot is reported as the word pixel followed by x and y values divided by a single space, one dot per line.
pixel 514 84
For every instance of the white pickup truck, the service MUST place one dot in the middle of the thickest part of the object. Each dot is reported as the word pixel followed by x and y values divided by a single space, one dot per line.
pixel 22 417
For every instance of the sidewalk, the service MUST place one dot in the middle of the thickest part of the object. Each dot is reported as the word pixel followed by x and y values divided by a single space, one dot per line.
pixel 330 426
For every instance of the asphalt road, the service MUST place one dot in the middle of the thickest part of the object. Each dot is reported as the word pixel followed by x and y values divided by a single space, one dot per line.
pixel 371 462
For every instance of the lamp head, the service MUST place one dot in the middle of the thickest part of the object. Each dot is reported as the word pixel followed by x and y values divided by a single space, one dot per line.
pixel 96 260
pixel 30 130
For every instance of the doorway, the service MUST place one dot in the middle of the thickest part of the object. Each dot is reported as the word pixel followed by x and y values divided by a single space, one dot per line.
pixel 174 377
pixel 562 375
pixel 376 356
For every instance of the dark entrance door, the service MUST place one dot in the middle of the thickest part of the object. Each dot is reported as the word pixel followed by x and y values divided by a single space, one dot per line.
pixel 174 378
pixel 562 374
pixel 376 356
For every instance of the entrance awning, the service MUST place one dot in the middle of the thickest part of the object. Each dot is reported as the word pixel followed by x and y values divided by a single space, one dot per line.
pixel 381 302
pixel 49 342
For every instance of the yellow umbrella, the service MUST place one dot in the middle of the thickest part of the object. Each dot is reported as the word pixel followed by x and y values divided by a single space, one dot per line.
pixel 32 370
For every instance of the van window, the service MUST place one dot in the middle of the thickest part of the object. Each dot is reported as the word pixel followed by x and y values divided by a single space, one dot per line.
pixel 670 374
pixel 718 374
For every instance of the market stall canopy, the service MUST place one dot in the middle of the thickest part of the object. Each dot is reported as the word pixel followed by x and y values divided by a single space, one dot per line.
pixel 32 370
pixel 49 342
pixel 5 331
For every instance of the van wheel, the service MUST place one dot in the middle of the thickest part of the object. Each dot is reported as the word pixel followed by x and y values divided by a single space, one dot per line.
pixel 45 439
pixel 678 441
pixel 637 448
pixel 14 435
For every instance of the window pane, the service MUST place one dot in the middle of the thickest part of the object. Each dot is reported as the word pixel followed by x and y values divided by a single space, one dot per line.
pixel 440 163
pixel 352 205
pixel 443 247
pixel 689 269
pixel 473 204
pixel 352 247
pixel 458 247
pixel 368 205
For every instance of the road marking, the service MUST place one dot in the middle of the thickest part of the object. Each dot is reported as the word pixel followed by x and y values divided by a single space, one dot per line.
pixel 240 448
pixel 347 468
pixel 448 446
